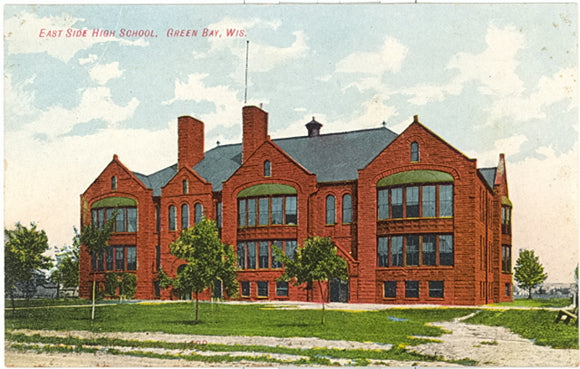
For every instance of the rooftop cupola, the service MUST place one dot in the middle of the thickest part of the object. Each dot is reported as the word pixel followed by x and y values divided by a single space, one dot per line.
pixel 313 128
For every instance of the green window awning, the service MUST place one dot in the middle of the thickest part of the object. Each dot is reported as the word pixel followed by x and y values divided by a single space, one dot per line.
pixel 114 202
pixel 415 176
pixel 267 189
pixel 506 201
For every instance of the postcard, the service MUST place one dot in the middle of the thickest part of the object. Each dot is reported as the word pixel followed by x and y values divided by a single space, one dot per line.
pixel 291 185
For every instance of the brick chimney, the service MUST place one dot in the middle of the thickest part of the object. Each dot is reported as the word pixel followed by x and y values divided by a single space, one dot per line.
pixel 255 129
pixel 190 141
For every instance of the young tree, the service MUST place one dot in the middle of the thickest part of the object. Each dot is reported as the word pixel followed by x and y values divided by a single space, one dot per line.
pixel 23 254
pixel 207 259
pixel 529 273
pixel 96 239
pixel 317 261
pixel 67 264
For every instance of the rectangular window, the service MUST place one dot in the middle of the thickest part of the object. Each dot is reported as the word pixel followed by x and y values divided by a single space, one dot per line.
pixel 100 266
pixel 508 289
pixel 263 254
pixel 397 202
pixel 157 257
pixel 281 288
pixel 347 209
pixel 446 201
pixel 429 254
pixel 252 212
pixel 390 289
pixel 383 252
pixel 245 288
pixel 428 193
pixel 436 289
pixel 120 220
pixel 251 255
pixel 446 249
pixel 397 251
pixel 158 219
pixel 262 289
pixel 276 263
pixel 290 250
pixel 291 211
pixel 131 219
pixel 172 215
pixel 218 217
pixel 411 289
pixel 412 250
pixel 131 258
pixel 109 253
pixel 242 255
pixel 241 213
pixel 506 258
pixel 264 218
pixel 412 194
pixel 119 258
pixel 277 215
pixel 383 204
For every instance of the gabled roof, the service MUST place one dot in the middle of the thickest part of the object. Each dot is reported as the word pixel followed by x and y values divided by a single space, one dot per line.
pixel 333 157
pixel 489 175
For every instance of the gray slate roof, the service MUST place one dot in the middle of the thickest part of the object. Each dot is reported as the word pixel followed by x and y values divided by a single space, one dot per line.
pixel 489 175
pixel 332 157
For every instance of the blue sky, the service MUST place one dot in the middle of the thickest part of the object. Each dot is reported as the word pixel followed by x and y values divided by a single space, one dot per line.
pixel 488 78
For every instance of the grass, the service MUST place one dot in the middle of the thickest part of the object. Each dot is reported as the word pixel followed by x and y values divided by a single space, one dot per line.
pixel 536 325
pixel 542 303
pixel 243 320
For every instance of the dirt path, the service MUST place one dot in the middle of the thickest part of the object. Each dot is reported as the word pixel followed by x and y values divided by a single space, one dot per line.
pixel 495 346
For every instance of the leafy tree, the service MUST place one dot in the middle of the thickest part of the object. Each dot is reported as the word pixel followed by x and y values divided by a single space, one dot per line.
pixel 529 273
pixel 96 239
pixel 128 285
pixel 67 264
pixel 317 261
pixel 23 254
pixel 207 259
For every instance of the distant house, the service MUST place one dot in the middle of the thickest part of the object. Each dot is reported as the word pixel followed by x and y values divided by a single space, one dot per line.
pixel 415 219
pixel 38 287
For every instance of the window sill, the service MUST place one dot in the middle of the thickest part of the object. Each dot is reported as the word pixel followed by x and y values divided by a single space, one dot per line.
pixel 262 297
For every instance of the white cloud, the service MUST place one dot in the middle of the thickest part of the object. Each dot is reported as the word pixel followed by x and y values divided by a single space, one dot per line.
pixel 545 197
pixel 102 73
pixel 562 86
pixel 224 98
pixel 506 145
pixel 89 60
pixel 389 59
pixel 22 36
pixel 95 104
pixel 495 67
pixel 18 99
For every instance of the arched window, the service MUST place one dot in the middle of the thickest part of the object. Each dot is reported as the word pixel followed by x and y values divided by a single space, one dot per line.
pixel 267 168
pixel 330 209
pixel 184 216
pixel 347 208
pixel 414 151
pixel 172 218
pixel 114 183
pixel 198 212
pixel 185 184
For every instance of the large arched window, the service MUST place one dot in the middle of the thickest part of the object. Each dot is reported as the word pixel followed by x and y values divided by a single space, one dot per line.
pixel 330 210
pixel 184 216
pixel 347 208
pixel 125 209
pixel 172 214
pixel 267 204
pixel 198 212
pixel 415 151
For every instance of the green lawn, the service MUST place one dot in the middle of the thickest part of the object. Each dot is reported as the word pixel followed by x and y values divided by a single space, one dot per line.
pixel 544 303
pixel 536 325
pixel 251 320
pixel 45 302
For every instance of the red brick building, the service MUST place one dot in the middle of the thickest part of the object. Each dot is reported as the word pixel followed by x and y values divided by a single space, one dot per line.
pixel 415 219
